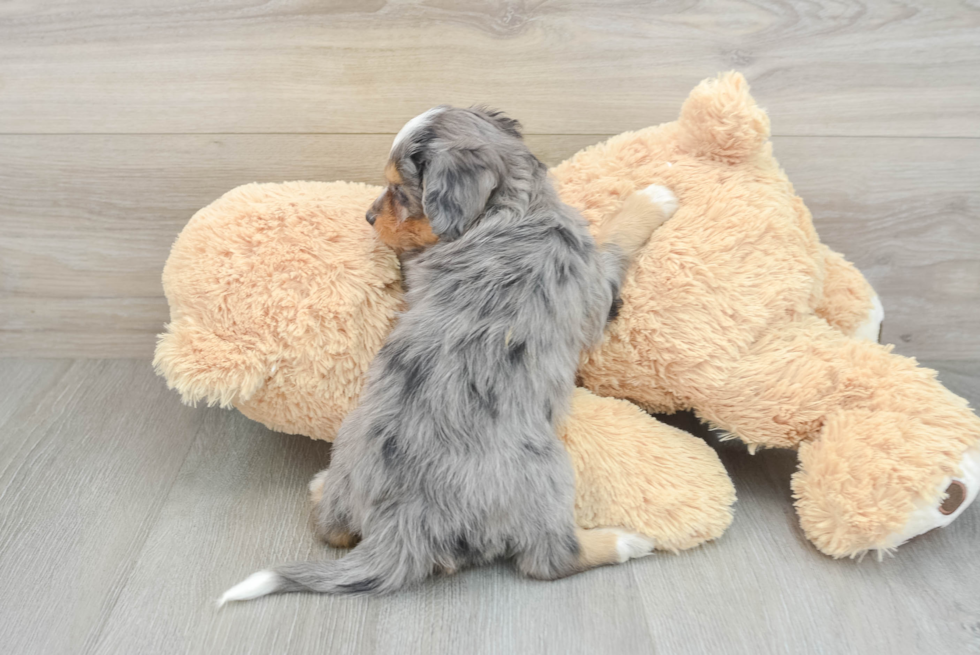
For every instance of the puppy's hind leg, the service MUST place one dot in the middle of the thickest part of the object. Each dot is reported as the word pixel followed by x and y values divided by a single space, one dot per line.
pixel 331 517
pixel 601 546
pixel 558 556
pixel 316 486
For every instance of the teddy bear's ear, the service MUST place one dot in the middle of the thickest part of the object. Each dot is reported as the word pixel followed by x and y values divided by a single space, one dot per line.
pixel 721 121
pixel 200 365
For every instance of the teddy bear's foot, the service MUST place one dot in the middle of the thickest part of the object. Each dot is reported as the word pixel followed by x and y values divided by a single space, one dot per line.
pixel 874 478
pixel 870 329
pixel 955 494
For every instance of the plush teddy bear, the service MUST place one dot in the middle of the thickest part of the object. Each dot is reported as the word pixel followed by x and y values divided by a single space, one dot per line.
pixel 280 295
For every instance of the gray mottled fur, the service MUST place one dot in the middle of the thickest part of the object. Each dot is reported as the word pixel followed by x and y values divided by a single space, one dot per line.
pixel 451 458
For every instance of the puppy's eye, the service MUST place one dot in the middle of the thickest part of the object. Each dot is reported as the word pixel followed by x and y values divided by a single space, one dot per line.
pixel 398 199
pixel 398 195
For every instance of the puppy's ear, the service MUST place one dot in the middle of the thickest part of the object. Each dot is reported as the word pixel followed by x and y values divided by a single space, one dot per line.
pixel 506 124
pixel 456 186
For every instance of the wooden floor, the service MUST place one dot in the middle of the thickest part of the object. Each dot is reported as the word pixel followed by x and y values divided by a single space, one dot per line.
pixel 124 515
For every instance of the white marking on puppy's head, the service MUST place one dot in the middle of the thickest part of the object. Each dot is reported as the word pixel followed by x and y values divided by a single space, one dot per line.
pixel 416 123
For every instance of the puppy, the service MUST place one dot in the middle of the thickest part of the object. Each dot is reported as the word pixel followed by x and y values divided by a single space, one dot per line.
pixel 451 458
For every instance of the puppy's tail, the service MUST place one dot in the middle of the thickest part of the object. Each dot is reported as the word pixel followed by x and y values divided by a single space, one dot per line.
pixel 370 568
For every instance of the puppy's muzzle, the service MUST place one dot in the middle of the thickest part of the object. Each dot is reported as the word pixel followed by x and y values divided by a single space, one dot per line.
pixel 371 216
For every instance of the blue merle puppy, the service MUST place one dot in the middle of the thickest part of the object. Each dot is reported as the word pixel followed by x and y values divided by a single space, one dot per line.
pixel 451 458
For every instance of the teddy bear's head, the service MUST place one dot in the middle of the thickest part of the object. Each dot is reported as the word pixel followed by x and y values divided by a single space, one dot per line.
pixel 280 295
pixel 739 256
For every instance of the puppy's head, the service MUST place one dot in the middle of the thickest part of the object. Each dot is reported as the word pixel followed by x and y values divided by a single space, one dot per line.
pixel 443 168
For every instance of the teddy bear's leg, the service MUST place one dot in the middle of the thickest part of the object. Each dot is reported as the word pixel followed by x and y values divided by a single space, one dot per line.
pixel 875 479
pixel 885 450
pixel 848 302
pixel 635 472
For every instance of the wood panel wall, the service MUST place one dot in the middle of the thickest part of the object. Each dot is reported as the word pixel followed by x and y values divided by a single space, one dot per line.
pixel 119 120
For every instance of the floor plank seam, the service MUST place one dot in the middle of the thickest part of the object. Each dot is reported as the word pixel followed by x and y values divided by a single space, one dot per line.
pixel 13 476
pixel 634 576
pixel 94 638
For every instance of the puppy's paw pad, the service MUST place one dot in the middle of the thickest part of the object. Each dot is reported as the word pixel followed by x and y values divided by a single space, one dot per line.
pixel 630 545
pixel 661 195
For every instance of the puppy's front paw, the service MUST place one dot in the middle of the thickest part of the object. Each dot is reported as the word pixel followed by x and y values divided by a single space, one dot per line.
pixel 639 217
pixel 662 196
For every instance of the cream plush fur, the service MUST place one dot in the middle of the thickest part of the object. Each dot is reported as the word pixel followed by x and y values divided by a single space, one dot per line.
pixel 280 295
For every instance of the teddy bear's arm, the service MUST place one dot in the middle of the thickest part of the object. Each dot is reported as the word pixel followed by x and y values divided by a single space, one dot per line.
pixel 201 365
pixel 848 302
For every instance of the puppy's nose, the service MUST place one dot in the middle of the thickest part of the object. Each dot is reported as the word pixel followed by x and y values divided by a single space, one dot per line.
pixel 371 216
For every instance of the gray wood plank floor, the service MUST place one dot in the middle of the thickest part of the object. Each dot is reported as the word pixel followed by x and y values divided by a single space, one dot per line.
pixel 123 515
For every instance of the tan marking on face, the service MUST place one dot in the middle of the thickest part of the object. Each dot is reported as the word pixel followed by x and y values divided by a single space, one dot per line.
pixel 392 175
pixel 394 226
pixel 402 234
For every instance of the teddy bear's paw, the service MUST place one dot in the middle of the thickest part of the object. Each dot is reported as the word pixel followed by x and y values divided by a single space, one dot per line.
pixel 662 196
pixel 870 329
pixel 955 495
pixel 630 545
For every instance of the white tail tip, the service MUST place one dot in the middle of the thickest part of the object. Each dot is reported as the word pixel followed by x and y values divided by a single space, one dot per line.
pixel 254 586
